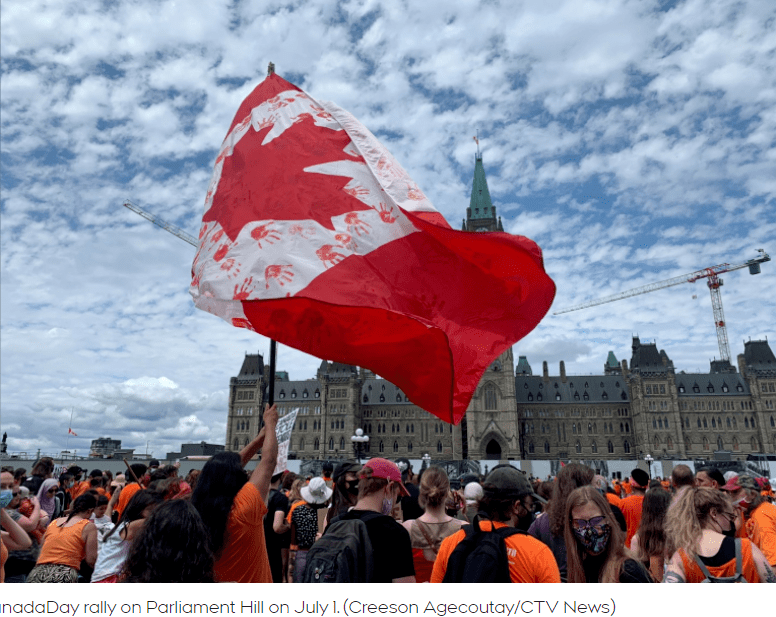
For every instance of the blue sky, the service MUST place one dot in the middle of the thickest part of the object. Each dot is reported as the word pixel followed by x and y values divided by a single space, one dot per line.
pixel 633 140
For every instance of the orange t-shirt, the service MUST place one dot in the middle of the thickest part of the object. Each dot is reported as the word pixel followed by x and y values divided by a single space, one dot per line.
pixel 244 557
pixel 80 488
pixel 64 545
pixel 626 486
pixel 613 499
pixel 3 559
pixel 530 561
pixel 693 574
pixel 631 509
pixel 761 530
pixel 126 495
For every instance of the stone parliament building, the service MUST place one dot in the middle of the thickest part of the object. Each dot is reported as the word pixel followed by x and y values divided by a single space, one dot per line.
pixel 628 411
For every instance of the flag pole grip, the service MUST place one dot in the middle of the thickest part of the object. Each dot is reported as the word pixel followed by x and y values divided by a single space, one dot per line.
pixel 132 473
pixel 273 350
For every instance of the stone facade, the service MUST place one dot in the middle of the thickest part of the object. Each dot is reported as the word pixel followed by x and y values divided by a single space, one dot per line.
pixel 622 413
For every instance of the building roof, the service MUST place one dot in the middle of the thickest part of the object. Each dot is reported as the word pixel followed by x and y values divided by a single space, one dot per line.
pixel 252 369
pixel 382 392
pixel 611 361
pixel 523 368
pixel 711 384
pixel 480 205
pixel 647 359
pixel 578 389
pixel 286 391
pixel 759 358
pixel 337 369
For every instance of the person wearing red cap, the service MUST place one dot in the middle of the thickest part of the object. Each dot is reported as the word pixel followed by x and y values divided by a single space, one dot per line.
pixel 631 505
pixel 379 484
pixel 759 515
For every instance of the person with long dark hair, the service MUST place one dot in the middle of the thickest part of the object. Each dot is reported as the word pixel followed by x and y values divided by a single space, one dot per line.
pixel 595 551
pixel 232 506
pixel 649 545
pixel 113 548
pixel 345 489
pixel 172 547
pixel 549 527
pixel 67 542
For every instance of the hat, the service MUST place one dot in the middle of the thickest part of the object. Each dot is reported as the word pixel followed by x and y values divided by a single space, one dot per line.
pixel 743 481
pixel 731 484
pixel 730 474
pixel 388 470
pixel 640 477
pixel 345 467
pixel 316 491
pixel 508 480
pixel 75 470
pixel 472 492
pixel 119 480
pixel 153 463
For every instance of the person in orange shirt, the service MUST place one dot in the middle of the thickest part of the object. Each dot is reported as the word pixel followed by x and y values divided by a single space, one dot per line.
pixel 701 524
pixel 759 515
pixel 128 491
pixel 233 507
pixel 631 505
pixel 508 501
pixel 626 487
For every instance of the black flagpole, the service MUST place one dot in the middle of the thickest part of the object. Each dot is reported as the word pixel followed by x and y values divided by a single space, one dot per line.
pixel 273 348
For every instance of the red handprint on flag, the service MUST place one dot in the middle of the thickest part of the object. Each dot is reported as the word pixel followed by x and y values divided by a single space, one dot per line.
pixel 221 252
pixel 231 267
pixel 239 322
pixel 280 273
pixel 243 291
pixel 357 191
pixel 356 225
pixel 328 256
pixel 299 230
pixel 385 213
pixel 266 233
pixel 346 241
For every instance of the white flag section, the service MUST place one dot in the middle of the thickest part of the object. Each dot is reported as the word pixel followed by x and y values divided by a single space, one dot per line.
pixel 283 431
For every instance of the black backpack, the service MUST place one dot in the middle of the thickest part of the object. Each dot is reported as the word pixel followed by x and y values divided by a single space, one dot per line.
pixel 481 557
pixel 343 554
pixel 738 577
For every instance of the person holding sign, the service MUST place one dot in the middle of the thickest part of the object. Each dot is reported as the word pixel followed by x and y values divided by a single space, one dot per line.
pixel 233 508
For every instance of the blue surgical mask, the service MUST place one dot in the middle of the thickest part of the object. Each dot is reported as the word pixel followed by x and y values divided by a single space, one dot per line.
pixel 6 495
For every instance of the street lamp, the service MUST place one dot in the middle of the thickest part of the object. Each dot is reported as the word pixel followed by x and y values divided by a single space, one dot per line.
pixel 426 458
pixel 359 440
pixel 648 458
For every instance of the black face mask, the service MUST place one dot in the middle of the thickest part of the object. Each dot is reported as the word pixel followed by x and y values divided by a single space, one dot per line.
pixel 353 488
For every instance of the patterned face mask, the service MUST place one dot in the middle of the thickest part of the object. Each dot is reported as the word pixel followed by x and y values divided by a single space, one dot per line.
pixel 594 540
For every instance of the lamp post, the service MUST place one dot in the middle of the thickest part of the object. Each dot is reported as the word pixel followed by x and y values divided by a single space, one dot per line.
pixel 359 440
pixel 426 458
pixel 648 458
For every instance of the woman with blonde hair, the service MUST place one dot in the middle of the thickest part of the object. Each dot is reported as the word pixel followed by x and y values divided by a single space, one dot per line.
pixel 595 543
pixel 701 525
pixel 434 525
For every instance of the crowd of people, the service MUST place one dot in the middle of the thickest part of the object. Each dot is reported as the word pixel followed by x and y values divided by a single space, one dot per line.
pixel 381 522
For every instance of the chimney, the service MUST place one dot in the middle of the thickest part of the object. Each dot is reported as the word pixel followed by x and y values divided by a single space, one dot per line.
pixel 741 365
pixel 562 371
pixel 624 367
pixel 546 371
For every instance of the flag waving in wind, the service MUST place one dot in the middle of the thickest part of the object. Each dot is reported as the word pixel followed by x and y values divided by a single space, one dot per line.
pixel 314 235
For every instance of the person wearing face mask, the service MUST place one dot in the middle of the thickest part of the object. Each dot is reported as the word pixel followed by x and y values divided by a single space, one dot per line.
pixel 507 501
pixel 379 484
pixel 12 536
pixel 759 515
pixel 701 524
pixel 345 489
pixel 595 551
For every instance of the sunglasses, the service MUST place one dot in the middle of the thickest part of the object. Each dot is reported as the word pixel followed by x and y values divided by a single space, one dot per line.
pixel 596 523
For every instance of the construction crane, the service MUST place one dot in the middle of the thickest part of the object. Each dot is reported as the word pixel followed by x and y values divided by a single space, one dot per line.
pixel 714 282
pixel 175 231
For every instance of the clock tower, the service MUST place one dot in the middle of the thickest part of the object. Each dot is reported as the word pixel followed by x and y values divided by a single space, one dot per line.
pixel 490 424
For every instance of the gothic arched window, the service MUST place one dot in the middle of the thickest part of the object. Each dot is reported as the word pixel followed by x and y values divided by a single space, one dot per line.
pixel 490 396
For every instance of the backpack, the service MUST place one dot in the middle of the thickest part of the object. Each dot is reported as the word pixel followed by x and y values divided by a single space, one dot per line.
pixel 343 554
pixel 481 557
pixel 738 577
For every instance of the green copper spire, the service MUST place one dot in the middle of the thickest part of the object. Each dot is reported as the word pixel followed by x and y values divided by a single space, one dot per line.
pixel 481 214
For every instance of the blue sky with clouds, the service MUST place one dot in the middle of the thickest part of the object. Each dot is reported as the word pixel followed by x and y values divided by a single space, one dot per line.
pixel 634 140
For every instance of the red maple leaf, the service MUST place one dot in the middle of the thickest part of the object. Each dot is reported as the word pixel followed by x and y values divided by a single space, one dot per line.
pixel 269 182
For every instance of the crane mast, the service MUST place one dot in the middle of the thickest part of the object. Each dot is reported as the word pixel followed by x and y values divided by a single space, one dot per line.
pixel 714 282
pixel 175 231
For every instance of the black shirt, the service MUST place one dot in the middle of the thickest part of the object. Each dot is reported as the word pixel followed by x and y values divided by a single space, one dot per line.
pixel 391 546
pixel 410 508
pixel 632 570
pixel 277 502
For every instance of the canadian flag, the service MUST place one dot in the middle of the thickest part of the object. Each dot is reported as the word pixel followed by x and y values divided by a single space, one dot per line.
pixel 72 432
pixel 315 236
